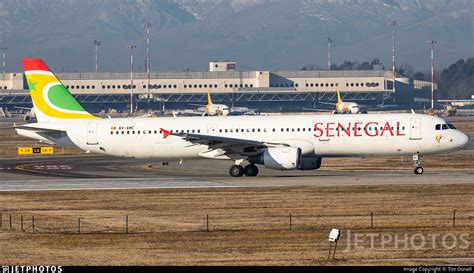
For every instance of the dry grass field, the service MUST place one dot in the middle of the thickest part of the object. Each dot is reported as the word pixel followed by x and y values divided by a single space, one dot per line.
pixel 246 226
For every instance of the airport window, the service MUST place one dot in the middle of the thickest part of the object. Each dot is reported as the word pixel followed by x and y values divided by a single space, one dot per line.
pixel 445 127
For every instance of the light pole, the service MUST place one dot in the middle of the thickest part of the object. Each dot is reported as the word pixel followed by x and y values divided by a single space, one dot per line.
pixel 97 44
pixel 4 49
pixel 432 43
pixel 147 25
pixel 131 47
pixel 329 53
pixel 393 24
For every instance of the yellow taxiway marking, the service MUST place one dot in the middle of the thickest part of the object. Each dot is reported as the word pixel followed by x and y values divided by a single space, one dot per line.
pixel 25 166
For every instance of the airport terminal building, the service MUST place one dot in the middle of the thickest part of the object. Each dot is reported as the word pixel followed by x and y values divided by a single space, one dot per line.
pixel 282 90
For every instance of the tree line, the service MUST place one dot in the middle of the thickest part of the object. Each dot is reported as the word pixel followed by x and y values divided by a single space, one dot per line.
pixel 454 82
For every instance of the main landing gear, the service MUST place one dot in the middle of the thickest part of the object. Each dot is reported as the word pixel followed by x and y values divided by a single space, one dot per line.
pixel 239 171
pixel 418 169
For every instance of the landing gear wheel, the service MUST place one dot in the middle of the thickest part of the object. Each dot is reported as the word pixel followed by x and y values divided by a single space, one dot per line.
pixel 236 171
pixel 251 170
pixel 419 170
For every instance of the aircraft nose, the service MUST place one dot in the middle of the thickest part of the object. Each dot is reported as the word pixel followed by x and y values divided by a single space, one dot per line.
pixel 465 140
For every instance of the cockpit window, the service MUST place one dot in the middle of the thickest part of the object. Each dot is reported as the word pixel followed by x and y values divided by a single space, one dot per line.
pixel 445 127
pixel 438 127
pixel 451 126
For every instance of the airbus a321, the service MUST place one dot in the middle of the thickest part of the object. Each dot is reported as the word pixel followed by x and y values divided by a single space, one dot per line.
pixel 292 142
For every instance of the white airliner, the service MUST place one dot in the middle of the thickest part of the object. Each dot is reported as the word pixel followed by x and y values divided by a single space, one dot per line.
pixel 212 109
pixel 292 142
pixel 344 107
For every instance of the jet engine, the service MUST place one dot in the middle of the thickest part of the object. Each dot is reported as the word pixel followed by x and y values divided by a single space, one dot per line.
pixel 286 158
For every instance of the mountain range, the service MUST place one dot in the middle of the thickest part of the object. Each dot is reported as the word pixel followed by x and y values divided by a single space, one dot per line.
pixel 258 34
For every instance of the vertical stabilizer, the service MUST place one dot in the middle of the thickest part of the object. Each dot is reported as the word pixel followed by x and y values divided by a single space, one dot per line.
pixel 51 100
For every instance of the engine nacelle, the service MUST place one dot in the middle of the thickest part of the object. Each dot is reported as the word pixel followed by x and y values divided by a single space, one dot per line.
pixel 284 158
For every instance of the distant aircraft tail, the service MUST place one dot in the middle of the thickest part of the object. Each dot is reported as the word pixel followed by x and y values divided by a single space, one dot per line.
pixel 339 100
pixel 209 100
pixel 51 100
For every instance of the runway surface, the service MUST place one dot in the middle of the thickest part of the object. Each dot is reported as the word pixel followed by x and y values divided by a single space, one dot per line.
pixel 91 172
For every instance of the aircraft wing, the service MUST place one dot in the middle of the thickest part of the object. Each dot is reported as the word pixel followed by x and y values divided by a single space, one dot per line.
pixel 328 103
pixel 227 145
pixel 318 109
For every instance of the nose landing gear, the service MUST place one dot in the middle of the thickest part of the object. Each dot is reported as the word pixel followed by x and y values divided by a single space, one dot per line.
pixel 418 168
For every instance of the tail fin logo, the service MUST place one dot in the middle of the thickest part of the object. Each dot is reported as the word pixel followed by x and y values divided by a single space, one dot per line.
pixel 50 97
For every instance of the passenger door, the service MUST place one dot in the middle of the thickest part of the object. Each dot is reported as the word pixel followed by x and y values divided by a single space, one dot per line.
pixel 92 133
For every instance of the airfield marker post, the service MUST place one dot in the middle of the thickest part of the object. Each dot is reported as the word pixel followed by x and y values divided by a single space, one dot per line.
pixel 330 248
pixel 454 218
pixel 371 219
pixel 126 224
pixel 290 222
